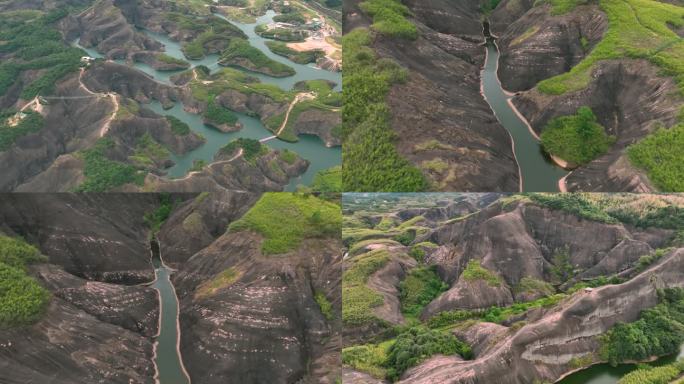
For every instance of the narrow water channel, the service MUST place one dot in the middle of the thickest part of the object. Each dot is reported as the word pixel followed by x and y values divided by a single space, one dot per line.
pixel 167 359
pixel 537 171
pixel 308 147
pixel 606 374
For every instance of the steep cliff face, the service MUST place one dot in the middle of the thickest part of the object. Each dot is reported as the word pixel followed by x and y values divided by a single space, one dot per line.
pixel 105 28
pixel 441 103
pixel 244 316
pixel 630 97
pixel 539 45
pixel 630 100
pixel 249 317
pixel 98 326
pixel 90 236
pixel 514 276
pixel 543 350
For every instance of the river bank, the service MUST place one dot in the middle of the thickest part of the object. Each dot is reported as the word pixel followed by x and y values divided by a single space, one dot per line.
pixel 538 171
pixel 168 363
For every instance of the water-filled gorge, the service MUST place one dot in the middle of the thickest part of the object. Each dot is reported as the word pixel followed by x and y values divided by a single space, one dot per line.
pixel 537 172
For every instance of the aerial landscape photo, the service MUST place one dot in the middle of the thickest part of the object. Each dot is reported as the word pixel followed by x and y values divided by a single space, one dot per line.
pixel 531 288
pixel 221 287
pixel 513 95
pixel 169 95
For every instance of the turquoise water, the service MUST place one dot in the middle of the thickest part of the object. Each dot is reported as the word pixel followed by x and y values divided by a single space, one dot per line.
pixel 605 374
pixel 167 356
pixel 539 174
pixel 308 147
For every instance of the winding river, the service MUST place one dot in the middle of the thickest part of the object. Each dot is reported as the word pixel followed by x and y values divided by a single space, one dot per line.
pixel 538 173
pixel 167 359
pixel 606 374
pixel 308 147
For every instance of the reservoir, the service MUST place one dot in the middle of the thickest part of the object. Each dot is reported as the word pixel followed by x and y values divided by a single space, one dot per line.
pixel 308 147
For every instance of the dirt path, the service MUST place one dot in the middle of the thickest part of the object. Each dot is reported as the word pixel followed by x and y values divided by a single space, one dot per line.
pixel 297 99
pixel 115 100
pixel 237 155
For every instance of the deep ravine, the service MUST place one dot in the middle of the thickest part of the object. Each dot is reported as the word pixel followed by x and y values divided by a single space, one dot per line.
pixel 537 172
pixel 167 359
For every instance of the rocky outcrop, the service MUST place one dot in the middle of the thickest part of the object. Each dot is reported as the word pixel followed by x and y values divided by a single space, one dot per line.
pixel 630 101
pixel 231 172
pixel 135 308
pixel 481 336
pixel 71 346
pixel 128 82
pixel 321 123
pixel 469 295
pixel 264 326
pixel 152 59
pixel 540 45
pixel 522 240
pixel 106 29
pixel 90 235
pixel 197 223
pixel 70 125
pixel 544 349
pixel 442 123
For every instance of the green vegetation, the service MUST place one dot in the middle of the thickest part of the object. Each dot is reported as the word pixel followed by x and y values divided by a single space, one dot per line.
pixel 357 299
pixel 177 126
pixel 328 180
pixel 371 161
pixel 577 138
pixel 156 218
pixel 474 271
pixel 148 152
pixel 14 125
pixel 282 34
pixel 367 358
pixel 389 359
pixel 658 332
pixel 211 31
pixel 252 149
pixel 562 268
pixel 219 115
pixel 533 286
pixel 389 18
pixel 447 319
pixel 418 289
pixel 647 374
pixel 647 260
pixel 197 165
pixel 285 219
pixel 299 57
pixel 164 58
pixel 564 6
pixel 289 157
pixel 574 203
pixel 291 17
pixel 324 305
pixel 222 280
pixel 417 344
pixel 28 42
pixel 17 253
pixel 660 155
pixel 240 51
pixel 637 29
pixel 103 174
pixel 489 5
pixel 22 300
